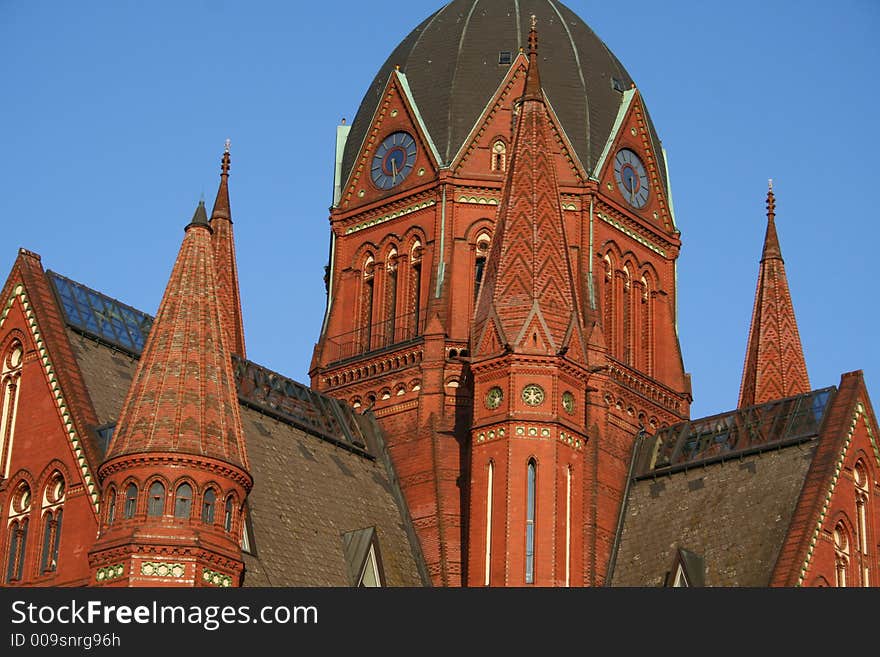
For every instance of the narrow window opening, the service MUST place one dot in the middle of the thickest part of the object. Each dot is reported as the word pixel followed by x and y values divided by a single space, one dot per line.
pixel 183 501
pixel 489 487
pixel 156 502
pixel 130 501
pixel 209 501
pixel 530 523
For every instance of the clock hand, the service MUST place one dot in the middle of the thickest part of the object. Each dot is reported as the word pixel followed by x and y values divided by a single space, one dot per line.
pixel 394 170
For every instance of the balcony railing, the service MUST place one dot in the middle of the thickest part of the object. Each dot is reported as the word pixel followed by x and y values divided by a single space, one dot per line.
pixel 375 337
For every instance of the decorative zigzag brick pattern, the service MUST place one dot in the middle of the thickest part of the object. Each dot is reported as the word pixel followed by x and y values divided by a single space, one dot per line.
pixel 528 280
pixel 183 397
pixel 774 366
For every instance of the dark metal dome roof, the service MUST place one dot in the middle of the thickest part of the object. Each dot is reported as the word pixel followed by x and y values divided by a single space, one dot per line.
pixel 452 65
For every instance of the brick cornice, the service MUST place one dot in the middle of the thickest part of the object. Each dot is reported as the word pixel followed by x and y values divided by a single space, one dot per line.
pixel 126 462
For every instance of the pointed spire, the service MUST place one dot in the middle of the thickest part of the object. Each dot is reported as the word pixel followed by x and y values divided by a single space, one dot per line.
pixel 200 216
pixel 221 203
pixel 185 367
pixel 224 260
pixel 528 290
pixel 774 365
pixel 533 76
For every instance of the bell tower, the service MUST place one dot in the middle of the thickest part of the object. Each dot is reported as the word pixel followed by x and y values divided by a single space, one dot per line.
pixel 530 374
pixel 502 257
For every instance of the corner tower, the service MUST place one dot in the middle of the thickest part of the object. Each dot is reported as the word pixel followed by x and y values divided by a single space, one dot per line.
pixel 176 472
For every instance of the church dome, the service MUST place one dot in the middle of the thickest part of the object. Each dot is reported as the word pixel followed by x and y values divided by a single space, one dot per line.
pixel 456 58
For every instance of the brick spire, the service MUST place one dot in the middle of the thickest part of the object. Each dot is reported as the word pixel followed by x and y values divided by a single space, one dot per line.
pixel 528 292
pixel 183 397
pixel 179 436
pixel 774 365
pixel 224 260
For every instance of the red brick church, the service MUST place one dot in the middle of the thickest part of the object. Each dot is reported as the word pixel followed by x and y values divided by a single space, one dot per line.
pixel 498 395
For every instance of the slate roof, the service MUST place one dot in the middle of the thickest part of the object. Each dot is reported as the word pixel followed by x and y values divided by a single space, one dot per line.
pixel 725 488
pixel 310 488
pixel 451 61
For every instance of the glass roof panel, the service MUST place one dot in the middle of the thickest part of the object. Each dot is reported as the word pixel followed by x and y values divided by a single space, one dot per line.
pixel 776 422
pixel 100 315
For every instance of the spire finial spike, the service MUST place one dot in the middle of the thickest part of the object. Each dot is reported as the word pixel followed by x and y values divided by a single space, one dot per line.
pixel 533 36
pixel 771 201
pixel 224 163
pixel 533 78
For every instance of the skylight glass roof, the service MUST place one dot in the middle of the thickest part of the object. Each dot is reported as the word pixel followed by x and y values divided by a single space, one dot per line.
pixel 100 316
pixel 775 423
pixel 289 400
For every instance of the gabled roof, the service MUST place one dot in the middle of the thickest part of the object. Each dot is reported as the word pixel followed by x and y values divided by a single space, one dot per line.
pixel 725 487
pixel 849 406
pixel 28 287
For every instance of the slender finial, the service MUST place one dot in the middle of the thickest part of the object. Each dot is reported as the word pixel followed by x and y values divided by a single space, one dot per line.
pixel 771 201
pixel 533 36
pixel 533 78
pixel 224 164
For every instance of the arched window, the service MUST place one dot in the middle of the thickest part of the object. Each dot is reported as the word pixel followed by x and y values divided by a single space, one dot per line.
pixel 860 474
pixel 608 305
pixel 499 155
pixel 646 328
pixel 183 501
pixel 111 505
pixel 530 521
pixel 10 377
pixel 156 500
pixel 131 496
pixel 227 515
pixel 483 243
pixel 209 501
pixel 19 510
pixel 390 297
pixel 366 311
pixel 18 531
pixel 51 540
pixel 53 500
pixel 841 554
pixel 626 337
pixel 415 287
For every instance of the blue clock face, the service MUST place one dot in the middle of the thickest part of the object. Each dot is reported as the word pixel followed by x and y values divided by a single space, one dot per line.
pixel 631 177
pixel 393 160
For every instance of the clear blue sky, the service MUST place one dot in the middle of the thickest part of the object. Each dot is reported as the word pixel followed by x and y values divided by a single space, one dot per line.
pixel 113 117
